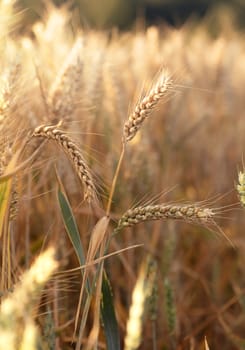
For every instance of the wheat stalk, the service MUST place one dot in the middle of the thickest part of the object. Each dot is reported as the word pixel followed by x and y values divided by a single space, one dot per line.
pixel 190 213
pixel 146 106
pixel 74 154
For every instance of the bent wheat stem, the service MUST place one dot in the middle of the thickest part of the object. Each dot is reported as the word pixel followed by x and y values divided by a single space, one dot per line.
pixel 114 181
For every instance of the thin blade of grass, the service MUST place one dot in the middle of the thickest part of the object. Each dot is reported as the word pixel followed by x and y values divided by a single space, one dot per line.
pixel 70 222
pixel 4 190
pixel 109 316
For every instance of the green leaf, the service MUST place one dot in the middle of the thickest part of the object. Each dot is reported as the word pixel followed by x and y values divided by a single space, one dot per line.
pixel 71 225
pixel 109 317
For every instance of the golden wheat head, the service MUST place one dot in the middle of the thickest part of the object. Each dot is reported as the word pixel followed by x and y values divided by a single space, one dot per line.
pixel 74 154
pixel 146 106
pixel 190 213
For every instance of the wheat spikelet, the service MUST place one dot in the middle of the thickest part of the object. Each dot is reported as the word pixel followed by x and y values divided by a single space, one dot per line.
pixel 63 93
pixel 241 187
pixel 190 213
pixel 5 150
pixel 73 152
pixel 141 294
pixel 146 106
pixel 169 306
pixel 14 203
pixel 94 57
pixel 17 310
pixel 29 287
pixel 9 83
pixel 9 19
pixel 30 336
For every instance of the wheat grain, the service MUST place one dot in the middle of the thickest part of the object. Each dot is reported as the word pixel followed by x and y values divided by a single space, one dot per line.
pixel 190 213
pixel 74 154
pixel 146 106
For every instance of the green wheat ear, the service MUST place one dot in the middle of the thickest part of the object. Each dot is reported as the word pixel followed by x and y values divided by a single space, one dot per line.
pixel 170 306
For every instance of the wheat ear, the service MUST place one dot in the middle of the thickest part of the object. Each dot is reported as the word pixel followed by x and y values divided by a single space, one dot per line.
pixel 190 213
pixel 74 154
pixel 146 106
pixel 67 84
pixel 142 291
pixel 16 310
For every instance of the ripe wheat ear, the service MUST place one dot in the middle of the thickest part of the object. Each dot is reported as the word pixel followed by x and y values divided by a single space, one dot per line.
pixel 73 153
pixel 190 213
pixel 146 106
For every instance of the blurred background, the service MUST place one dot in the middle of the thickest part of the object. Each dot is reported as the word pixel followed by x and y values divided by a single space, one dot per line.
pixel 124 13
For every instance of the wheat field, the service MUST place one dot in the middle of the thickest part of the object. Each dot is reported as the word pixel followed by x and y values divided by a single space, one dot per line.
pixel 121 185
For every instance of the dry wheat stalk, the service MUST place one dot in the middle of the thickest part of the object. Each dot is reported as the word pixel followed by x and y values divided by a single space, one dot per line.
pixel 190 213
pixel 146 105
pixel 73 152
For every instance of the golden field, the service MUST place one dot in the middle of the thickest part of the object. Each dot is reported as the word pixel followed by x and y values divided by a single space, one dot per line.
pixel 120 153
